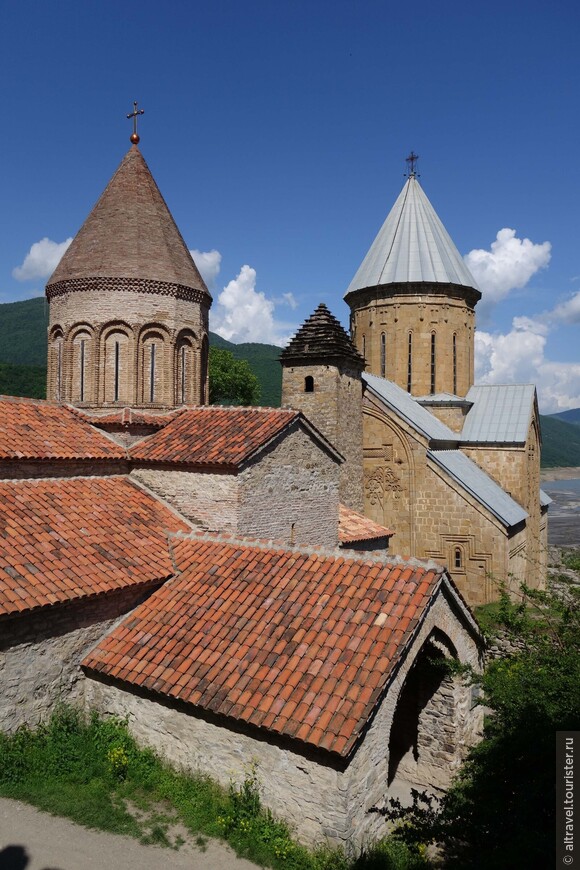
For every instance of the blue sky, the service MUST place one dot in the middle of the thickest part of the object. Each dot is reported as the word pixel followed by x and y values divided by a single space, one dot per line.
pixel 277 132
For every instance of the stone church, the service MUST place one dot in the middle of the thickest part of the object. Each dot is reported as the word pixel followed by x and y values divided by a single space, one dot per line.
pixel 220 576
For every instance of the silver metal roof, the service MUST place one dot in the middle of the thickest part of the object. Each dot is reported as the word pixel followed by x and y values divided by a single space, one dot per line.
pixel 481 486
pixel 408 408
pixel 501 413
pixel 545 499
pixel 412 245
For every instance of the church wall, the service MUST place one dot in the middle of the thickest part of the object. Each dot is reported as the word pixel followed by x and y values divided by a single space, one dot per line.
pixel 447 518
pixel 209 500
pixel 452 417
pixel 319 800
pixel 17 469
pixel 334 406
pixel 40 653
pixel 290 493
pixel 421 313
pixel 139 319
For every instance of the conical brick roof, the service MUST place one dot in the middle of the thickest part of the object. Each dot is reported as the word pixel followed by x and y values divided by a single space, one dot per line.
pixel 131 235
pixel 321 336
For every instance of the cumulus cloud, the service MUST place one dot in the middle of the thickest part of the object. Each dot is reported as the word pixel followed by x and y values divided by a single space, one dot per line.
pixel 569 311
pixel 243 313
pixel 519 357
pixel 209 264
pixel 41 260
pixel 509 264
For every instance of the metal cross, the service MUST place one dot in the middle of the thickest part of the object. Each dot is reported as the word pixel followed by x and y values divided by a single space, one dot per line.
pixel 134 114
pixel 411 160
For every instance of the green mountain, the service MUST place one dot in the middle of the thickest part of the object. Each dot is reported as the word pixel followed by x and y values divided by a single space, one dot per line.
pixel 560 442
pixel 23 347
pixel 571 416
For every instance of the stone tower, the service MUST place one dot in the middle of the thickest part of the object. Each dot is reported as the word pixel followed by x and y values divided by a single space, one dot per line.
pixel 321 376
pixel 128 321
pixel 413 301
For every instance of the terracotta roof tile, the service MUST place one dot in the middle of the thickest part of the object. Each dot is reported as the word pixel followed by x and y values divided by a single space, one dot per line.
pixel 129 417
pixel 32 429
pixel 68 538
pixel 294 660
pixel 214 436
pixel 354 527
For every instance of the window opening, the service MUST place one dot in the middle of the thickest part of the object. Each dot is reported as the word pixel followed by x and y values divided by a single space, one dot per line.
pixel 454 364
pixel 82 371
pixel 383 355
pixel 458 557
pixel 308 384
pixel 183 375
pixel 410 363
pixel 117 355
pixel 432 363
pixel 152 373
pixel 59 373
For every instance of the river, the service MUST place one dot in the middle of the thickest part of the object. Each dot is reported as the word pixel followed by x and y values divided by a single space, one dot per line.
pixel 564 513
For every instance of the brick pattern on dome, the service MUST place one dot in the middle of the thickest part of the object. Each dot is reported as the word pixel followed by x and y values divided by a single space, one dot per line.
pixel 353 527
pixel 135 285
pixel 321 336
pixel 130 234
pixel 214 436
pixel 301 644
pixel 33 429
pixel 65 539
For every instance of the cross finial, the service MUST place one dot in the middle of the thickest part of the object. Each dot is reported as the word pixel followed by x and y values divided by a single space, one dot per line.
pixel 134 114
pixel 412 160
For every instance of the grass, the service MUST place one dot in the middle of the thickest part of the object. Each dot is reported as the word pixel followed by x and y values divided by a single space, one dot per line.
pixel 92 771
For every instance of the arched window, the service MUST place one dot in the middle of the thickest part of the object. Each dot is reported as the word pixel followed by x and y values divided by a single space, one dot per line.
pixel 454 364
pixel 308 384
pixel 433 352
pixel 410 363
pixel 458 558
pixel 56 368
pixel 383 355
pixel 118 384
pixel 186 387
pixel 364 347
pixel 81 361
pixel 204 359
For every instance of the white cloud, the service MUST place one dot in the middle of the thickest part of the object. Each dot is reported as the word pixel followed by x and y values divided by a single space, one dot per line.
pixel 519 357
pixel 41 260
pixel 568 311
pixel 288 299
pixel 209 264
pixel 509 265
pixel 244 314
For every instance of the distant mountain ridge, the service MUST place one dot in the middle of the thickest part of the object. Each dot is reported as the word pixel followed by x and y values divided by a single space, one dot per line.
pixel 23 346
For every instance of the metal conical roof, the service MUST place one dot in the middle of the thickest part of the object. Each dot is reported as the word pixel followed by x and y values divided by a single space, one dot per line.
pixel 412 246
pixel 321 336
pixel 130 234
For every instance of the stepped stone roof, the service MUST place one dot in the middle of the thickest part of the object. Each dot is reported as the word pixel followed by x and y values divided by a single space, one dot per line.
pixel 71 538
pixel 300 644
pixel 130 234
pixel 412 246
pixel 321 336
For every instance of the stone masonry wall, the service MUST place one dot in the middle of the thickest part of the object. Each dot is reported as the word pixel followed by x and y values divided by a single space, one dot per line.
pixel 320 801
pixel 208 500
pixel 290 493
pixel 335 408
pixel 40 653
pixel 17 469
pixel 421 314
pixel 135 319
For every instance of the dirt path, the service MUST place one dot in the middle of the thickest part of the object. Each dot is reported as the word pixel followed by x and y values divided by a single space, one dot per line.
pixel 31 840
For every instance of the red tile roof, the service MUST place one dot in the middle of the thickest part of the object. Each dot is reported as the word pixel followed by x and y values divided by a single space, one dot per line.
pixel 130 417
pixel 32 429
pixel 214 436
pixel 301 644
pixel 69 538
pixel 353 527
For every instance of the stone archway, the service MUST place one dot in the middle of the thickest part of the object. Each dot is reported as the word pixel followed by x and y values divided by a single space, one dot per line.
pixel 426 738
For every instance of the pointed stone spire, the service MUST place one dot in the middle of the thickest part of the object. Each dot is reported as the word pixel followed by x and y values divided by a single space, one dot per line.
pixel 412 246
pixel 130 234
pixel 321 337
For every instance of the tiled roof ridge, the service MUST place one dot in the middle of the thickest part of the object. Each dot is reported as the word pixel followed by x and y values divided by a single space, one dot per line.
pixel 28 400
pixel 322 334
pixel 309 550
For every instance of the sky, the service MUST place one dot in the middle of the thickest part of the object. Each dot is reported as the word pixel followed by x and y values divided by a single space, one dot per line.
pixel 277 133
